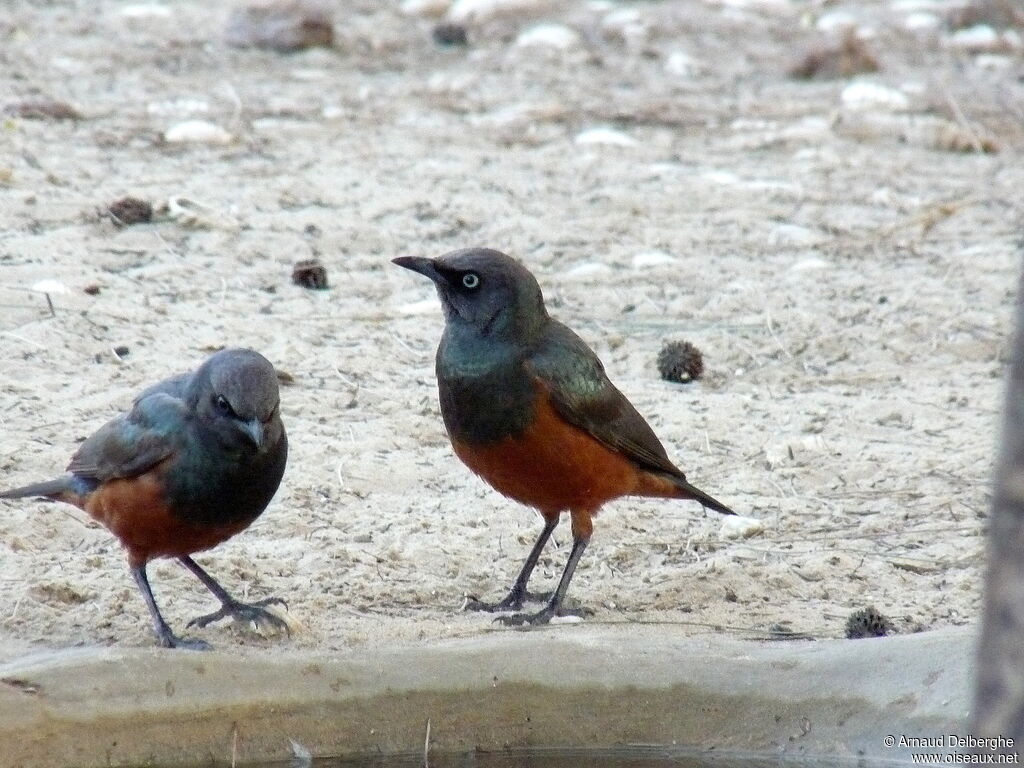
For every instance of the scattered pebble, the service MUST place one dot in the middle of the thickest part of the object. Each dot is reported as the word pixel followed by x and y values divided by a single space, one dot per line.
pixel 92 289
pixel 652 259
pixel 43 109
pixel 145 11
pixel 556 36
pixel 50 286
pixel 477 11
pixel 836 22
pixel 739 527
pixel 830 60
pixel 122 351
pixel 588 269
pixel 197 132
pixel 281 25
pixel 993 62
pixel 921 22
pixel 310 273
pixel 605 136
pixel 178 107
pixel 984 39
pixel 867 623
pixel 862 95
pixel 626 25
pixel 682 64
pixel 807 265
pixel 427 306
pixel 130 210
pixel 197 215
pixel 450 34
pixel 681 362
pixel 793 234
pixel 427 8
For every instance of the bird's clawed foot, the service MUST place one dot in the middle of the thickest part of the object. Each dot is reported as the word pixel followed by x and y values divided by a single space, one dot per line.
pixel 256 613
pixel 167 639
pixel 543 616
pixel 513 601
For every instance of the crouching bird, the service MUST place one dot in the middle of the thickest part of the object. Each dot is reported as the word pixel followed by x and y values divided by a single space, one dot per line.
pixel 195 461
pixel 528 407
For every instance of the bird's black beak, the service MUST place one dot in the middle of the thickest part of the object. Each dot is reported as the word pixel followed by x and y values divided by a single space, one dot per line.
pixel 419 264
pixel 254 431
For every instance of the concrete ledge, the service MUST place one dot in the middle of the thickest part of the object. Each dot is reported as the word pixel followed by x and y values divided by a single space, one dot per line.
pixel 570 686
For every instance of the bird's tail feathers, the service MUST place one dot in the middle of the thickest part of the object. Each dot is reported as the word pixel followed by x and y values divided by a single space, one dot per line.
pixel 51 489
pixel 688 491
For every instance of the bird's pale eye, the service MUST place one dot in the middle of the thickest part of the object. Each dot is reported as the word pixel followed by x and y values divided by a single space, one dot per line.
pixel 470 280
pixel 224 406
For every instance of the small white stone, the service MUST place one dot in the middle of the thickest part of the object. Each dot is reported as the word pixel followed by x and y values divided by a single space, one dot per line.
pixel 836 21
pixel 605 136
pixel 463 11
pixel 197 132
pixel 566 619
pixel 50 286
pixel 419 307
pixel 551 35
pixel 309 74
pixel 682 64
pixel 912 6
pixel 862 96
pixel 332 112
pixel 883 196
pixel 721 177
pixel 178 107
pixel 809 264
pixel 793 234
pixel 588 269
pixel 626 24
pixel 653 259
pixel 980 37
pixel 426 8
pixel 921 22
pixel 739 527
pixel 145 11
pixel 993 61
pixel 620 18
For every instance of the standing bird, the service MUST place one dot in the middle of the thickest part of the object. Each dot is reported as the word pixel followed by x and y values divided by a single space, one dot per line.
pixel 195 461
pixel 528 407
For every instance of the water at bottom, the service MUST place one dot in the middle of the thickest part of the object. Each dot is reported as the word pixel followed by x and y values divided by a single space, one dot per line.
pixel 638 757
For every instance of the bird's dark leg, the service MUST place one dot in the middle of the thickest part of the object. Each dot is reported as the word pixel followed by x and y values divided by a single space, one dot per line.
pixel 230 607
pixel 164 636
pixel 513 601
pixel 554 606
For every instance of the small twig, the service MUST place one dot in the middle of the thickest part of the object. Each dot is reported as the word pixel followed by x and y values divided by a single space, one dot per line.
pixel 961 118
pixel 426 747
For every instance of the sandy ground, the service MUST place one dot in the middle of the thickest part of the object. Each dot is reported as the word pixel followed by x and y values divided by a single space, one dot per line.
pixel 848 275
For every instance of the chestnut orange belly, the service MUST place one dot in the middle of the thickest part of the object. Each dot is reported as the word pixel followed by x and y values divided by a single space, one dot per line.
pixel 135 511
pixel 555 466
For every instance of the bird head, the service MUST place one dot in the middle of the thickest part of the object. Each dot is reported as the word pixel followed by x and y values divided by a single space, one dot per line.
pixel 484 290
pixel 235 394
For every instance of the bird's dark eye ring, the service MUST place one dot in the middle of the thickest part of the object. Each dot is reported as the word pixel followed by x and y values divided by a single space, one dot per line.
pixel 223 405
pixel 470 280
